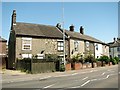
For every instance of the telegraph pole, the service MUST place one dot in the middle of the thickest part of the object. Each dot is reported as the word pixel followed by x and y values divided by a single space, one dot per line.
pixel 63 33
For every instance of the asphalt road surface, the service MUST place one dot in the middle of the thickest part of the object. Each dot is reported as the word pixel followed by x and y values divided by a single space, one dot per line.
pixel 103 77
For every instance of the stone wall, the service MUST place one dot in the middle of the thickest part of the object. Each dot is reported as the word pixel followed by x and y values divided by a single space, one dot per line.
pixel 49 46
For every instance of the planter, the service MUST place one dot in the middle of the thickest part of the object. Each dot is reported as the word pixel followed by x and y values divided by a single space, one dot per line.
pixel 77 66
pixel 95 64
pixel 106 64
pixel 68 66
pixel 84 66
pixel 88 65
pixel 99 63
pixel 110 63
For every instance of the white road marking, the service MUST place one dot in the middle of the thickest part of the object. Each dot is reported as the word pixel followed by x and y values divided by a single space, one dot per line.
pixel 107 76
pixel 93 80
pixel 49 86
pixel 74 73
pixel 84 78
pixel 76 87
pixel 45 77
pixel 85 83
pixel 62 75
pixel 103 73
pixel 91 71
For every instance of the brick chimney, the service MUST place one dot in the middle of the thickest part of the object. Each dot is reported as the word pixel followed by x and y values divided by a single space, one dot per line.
pixel 72 28
pixel 81 30
pixel 114 39
pixel 13 19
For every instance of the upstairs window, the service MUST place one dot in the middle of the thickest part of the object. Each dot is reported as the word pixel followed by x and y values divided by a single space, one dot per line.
pixel 87 45
pixel 109 49
pixel 96 46
pixel 105 48
pixel 60 45
pixel 26 43
pixel 118 49
pixel 76 45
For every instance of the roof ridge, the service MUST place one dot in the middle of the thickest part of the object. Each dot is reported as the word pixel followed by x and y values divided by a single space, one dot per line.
pixel 35 24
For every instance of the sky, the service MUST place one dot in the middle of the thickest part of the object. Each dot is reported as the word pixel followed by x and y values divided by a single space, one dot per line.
pixel 99 19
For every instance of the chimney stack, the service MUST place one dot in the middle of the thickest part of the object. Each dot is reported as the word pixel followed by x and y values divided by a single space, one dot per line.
pixel 81 30
pixel 114 39
pixel 71 28
pixel 13 19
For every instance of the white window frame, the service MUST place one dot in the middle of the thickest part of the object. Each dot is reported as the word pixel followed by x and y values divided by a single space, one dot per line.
pixel 30 39
pixel 87 45
pixel 96 47
pixel 61 46
pixel 26 56
pixel 76 45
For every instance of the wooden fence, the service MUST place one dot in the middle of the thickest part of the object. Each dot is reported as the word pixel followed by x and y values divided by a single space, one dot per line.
pixel 35 66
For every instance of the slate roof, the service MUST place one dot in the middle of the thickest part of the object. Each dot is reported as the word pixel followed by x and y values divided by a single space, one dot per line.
pixel 115 44
pixel 48 31
pixel 77 35
pixel 30 29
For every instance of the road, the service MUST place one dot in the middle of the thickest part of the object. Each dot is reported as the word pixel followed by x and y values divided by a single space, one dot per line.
pixel 103 77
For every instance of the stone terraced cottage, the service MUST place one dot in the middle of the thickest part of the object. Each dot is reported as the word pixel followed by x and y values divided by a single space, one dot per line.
pixel 115 48
pixel 27 39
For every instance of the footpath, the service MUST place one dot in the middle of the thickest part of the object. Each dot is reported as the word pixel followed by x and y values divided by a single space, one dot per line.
pixel 10 76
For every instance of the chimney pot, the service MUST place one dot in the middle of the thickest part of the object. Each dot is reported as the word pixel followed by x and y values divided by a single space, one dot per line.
pixel 13 19
pixel 71 28
pixel 81 30
pixel 114 39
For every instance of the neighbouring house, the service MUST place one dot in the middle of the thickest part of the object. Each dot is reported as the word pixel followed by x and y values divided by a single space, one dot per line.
pixel 3 53
pixel 115 48
pixel 27 40
pixel 78 42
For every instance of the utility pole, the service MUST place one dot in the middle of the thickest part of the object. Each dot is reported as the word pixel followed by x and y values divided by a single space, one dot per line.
pixel 63 33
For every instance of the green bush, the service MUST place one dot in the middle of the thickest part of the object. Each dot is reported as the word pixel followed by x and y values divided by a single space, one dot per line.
pixel 117 59
pixel 105 59
pixel 51 57
pixel 76 58
pixel 62 68
pixel 113 61
pixel 90 59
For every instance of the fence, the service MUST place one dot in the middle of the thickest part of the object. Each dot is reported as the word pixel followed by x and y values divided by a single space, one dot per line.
pixel 3 62
pixel 35 66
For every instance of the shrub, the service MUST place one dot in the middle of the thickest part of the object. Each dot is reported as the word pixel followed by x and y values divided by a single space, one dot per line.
pixel 90 59
pixel 105 58
pixel 51 57
pixel 62 67
pixel 113 61
pixel 117 59
pixel 76 58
